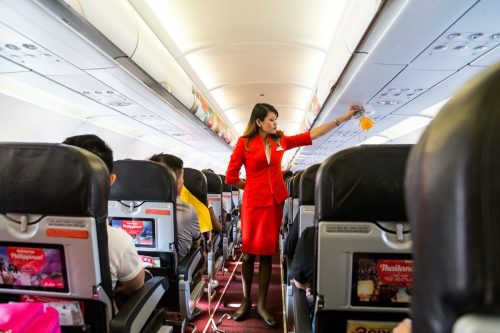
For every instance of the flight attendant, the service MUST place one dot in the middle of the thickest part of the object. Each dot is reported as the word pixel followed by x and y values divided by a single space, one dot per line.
pixel 260 149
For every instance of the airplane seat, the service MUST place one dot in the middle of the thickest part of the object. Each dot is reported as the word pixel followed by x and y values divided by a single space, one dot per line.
pixel 288 183
pixel 214 195
pixel 295 196
pixel 235 217
pixel 142 202
pixel 229 223
pixel 306 197
pixel 304 219
pixel 452 191
pixel 54 243
pixel 363 262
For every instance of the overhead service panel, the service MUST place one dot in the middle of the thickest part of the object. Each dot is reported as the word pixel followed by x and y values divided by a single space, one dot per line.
pixel 152 56
pixel 115 19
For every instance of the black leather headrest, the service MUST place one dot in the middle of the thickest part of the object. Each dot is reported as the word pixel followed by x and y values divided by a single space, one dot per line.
pixel 143 181
pixel 453 191
pixel 306 186
pixel 52 179
pixel 363 183
pixel 295 184
pixel 225 187
pixel 214 183
pixel 196 182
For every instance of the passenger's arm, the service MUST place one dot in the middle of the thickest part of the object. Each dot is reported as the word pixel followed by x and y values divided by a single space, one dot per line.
pixel 195 228
pixel 127 288
pixel 299 285
pixel 129 270
pixel 325 128
pixel 216 225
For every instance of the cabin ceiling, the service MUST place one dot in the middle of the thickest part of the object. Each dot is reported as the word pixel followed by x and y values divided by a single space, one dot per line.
pixel 122 72
pixel 240 53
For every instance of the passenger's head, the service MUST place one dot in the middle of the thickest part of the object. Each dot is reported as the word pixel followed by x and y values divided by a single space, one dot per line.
pixel 95 145
pixel 287 174
pixel 175 164
pixel 264 118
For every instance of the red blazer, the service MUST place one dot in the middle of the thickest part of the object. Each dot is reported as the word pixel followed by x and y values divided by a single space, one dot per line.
pixel 264 181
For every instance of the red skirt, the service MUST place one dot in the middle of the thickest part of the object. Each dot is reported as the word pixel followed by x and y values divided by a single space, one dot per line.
pixel 260 227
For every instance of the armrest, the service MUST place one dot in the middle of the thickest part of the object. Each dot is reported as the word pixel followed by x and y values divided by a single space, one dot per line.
pixel 134 314
pixel 189 263
pixel 301 317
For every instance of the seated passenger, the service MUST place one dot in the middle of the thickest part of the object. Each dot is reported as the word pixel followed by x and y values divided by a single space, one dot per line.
pixel 292 239
pixel 188 227
pixel 127 272
pixel 216 225
pixel 302 270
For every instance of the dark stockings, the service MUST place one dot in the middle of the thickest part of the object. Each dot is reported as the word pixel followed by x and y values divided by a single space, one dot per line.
pixel 247 267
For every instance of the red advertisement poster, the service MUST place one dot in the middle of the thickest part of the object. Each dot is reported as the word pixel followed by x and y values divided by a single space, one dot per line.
pixel 32 267
pixel 133 228
pixel 382 279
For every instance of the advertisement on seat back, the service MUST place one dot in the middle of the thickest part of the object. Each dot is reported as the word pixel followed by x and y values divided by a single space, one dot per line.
pixel 33 267
pixel 381 279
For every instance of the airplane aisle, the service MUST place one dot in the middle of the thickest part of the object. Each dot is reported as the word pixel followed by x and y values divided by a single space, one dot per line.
pixel 227 300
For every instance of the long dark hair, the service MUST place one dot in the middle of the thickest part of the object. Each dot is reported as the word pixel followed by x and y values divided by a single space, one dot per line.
pixel 260 111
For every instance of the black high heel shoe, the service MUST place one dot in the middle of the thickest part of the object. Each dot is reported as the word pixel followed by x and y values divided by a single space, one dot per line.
pixel 271 322
pixel 240 315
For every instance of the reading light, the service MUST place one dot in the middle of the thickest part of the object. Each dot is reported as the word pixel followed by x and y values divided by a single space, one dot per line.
pixel 460 47
pixel 476 35
pixel 440 48
pixel 454 36
pixel 480 47
pixel 388 102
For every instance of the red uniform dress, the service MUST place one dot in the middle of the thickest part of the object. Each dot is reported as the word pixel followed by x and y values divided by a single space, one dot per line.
pixel 265 190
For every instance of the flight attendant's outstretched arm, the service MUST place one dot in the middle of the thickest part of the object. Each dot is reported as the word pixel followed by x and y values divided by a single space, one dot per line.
pixel 325 128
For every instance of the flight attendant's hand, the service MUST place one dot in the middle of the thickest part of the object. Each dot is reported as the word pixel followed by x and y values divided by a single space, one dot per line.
pixel 241 184
pixel 353 109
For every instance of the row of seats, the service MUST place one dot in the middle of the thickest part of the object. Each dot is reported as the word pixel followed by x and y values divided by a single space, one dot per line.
pixel 53 206
pixel 398 226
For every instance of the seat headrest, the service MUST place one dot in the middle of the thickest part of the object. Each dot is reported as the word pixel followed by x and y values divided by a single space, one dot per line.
pixel 214 183
pixel 364 183
pixel 225 187
pixel 296 184
pixel 306 186
pixel 196 182
pixel 138 180
pixel 52 179
pixel 452 190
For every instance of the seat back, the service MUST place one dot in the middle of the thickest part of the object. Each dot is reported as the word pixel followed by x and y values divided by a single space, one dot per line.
pixel 236 196
pixel 53 239
pixel 214 192
pixel 295 195
pixel 227 201
pixel 452 188
pixel 363 267
pixel 306 197
pixel 142 202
